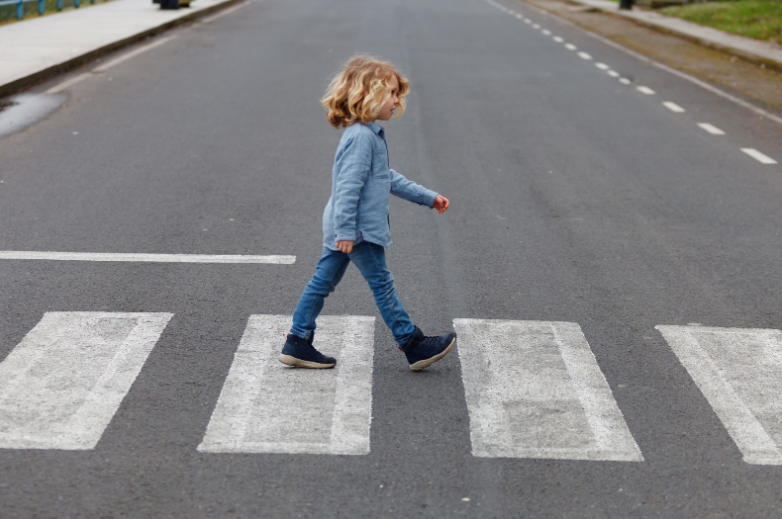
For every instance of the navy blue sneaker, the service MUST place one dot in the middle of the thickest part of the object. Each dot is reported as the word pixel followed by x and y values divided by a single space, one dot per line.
pixel 421 351
pixel 300 353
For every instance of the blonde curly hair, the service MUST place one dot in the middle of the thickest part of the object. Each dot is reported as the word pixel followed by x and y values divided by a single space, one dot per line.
pixel 359 91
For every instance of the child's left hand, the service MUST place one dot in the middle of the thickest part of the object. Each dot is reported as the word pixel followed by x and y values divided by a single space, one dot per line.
pixel 441 204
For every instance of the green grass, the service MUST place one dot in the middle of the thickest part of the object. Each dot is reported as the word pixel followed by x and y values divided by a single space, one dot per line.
pixel 760 19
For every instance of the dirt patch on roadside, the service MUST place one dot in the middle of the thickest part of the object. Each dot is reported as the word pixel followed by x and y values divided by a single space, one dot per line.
pixel 710 65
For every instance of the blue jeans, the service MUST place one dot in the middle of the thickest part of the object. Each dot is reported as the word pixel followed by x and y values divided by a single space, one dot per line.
pixel 371 261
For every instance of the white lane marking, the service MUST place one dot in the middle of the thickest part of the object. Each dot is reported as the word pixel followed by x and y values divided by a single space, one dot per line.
pixel 520 17
pixel 760 157
pixel 612 73
pixel 625 81
pixel 265 406
pixel 527 20
pixel 570 46
pixel 602 66
pixel 739 372
pixel 558 39
pixel 534 390
pixel 153 258
pixel 224 12
pixel 60 387
pixel 546 32
pixel 645 90
pixel 106 66
pixel 673 107
pixel 536 26
pixel 584 55
pixel 711 129
pixel 68 83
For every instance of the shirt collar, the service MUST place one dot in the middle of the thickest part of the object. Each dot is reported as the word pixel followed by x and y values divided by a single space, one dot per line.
pixel 376 128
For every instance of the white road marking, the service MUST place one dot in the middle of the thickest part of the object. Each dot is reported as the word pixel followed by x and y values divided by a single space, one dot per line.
pixel 584 55
pixel 224 12
pixel 602 66
pixel 625 81
pixel 739 372
pixel 558 39
pixel 267 407
pixel 527 20
pixel 645 90
pixel 520 17
pixel 536 26
pixel 760 157
pixel 570 46
pixel 711 129
pixel 153 258
pixel 60 387
pixel 534 390
pixel 546 32
pixel 673 107
pixel 612 73
pixel 68 83
pixel 106 66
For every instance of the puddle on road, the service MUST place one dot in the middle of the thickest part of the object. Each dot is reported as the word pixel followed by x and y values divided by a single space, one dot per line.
pixel 23 110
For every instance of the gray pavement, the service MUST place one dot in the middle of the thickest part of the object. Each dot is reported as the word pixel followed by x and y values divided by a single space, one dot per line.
pixel 575 198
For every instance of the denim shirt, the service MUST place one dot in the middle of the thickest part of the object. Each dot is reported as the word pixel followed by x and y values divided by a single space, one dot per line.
pixel 361 184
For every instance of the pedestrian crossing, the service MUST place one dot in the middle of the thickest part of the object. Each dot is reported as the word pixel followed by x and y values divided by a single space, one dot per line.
pixel 533 389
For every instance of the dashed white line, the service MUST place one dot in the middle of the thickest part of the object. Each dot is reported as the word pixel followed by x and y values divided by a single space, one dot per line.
pixel 125 57
pixel 760 157
pixel 602 66
pixel 711 129
pixel 558 39
pixel 673 107
pixel 536 26
pixel 527 20
pixel 584 55
pixel 546 32
pixel 152 258
pixel 612 73
pixel 570 46
pixel 520 17
pixel 625 81
pixel 645 90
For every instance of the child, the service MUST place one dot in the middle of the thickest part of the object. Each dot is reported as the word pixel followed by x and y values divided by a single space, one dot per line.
pixel 356 225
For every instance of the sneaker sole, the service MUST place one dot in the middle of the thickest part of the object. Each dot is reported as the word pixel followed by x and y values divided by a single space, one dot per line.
pixel 293 361
pixel 423 364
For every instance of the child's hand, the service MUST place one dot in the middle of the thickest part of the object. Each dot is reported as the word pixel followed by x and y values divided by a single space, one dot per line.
pixel 441 204
pixel 345 246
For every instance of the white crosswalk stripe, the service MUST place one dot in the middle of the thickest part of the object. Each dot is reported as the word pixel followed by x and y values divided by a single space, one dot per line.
pixel 60 387
pixel 534 390
pixel 267 407
pixel 739 372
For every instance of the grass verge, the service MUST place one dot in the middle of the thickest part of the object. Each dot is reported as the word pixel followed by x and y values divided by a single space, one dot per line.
pixel 759 19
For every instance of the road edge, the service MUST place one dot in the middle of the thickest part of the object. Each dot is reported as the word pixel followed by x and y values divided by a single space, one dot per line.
pixel 60 68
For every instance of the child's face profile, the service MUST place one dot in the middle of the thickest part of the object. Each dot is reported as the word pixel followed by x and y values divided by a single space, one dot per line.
pixel 387 110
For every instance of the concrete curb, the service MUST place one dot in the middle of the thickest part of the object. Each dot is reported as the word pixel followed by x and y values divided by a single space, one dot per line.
pixel 50 72
pixel 669 26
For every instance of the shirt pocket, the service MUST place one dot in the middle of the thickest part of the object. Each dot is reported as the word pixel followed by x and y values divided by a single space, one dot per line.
pixel 380 169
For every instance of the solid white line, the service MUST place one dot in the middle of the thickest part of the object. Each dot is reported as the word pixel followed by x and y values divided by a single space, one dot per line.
pixel 534 390
pixel 625 81
pixel 570 46
pixel 612 73
pixel 132 54
pixel 154 258
pixel 268 407
pixel 760 157
pixel 60 387
pixel 711 129
pixel 68 83
pixel 673 107
pixel 645 90
pixel 739 372
pixel 224 12
pixel 602 66
pixel 584 55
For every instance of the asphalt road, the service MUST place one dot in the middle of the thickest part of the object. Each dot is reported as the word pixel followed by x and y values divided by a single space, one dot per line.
pixel 574 198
